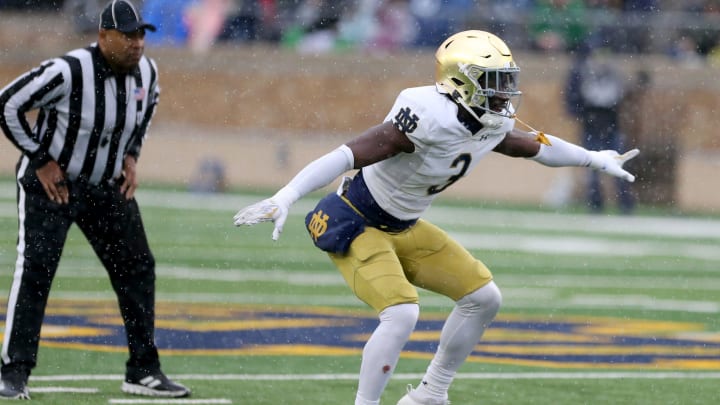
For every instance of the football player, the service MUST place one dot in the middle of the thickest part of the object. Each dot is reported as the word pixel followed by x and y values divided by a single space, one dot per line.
pixel 372 227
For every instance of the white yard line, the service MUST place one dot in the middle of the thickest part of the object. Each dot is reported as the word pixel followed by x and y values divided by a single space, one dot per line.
pixel 208 401
pixel 611 224
pixel 72 390
pixel 610 282
pixel 610 375
pixel 593 246
pixel 644 302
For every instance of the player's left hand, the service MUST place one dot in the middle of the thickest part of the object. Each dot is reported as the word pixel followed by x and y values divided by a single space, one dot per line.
pixel 264 211
pixel 611 162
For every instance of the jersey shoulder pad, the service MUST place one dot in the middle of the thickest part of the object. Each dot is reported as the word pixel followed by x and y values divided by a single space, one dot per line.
pixel 422 113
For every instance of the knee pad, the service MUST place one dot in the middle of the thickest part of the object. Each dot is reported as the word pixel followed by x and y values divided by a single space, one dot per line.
pixel 486 298
pixel 402 318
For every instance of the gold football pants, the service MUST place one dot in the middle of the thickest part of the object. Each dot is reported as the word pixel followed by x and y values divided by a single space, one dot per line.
pixel 383 269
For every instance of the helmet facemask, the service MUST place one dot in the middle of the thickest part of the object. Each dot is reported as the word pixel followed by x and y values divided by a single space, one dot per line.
pixel 493 88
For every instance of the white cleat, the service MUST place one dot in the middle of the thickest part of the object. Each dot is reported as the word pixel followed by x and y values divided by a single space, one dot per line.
pixel 410 399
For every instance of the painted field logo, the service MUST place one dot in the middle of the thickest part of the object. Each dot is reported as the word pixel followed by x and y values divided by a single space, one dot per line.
pixel 563 342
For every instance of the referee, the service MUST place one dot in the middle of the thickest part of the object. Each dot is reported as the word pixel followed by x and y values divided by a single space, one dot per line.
pixel 78 166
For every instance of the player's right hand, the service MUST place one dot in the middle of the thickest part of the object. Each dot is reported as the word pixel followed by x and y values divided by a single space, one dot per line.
pixel 264 211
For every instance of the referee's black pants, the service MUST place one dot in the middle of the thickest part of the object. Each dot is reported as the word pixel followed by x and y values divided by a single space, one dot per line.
pixel 114 228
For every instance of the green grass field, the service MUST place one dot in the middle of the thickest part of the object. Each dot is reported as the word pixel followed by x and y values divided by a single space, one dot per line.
pixel 597 310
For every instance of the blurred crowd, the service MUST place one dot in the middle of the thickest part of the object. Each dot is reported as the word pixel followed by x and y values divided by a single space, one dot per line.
pixel 687 31
pixel 315 26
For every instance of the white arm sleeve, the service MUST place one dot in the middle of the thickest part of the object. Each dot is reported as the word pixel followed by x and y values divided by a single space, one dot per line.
pixel 318 173
pixel 562 153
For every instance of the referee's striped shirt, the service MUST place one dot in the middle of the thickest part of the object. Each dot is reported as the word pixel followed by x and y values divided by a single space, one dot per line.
pixel 89 117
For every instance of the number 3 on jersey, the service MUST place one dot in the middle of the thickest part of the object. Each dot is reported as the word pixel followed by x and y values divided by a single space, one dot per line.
pixel 463 160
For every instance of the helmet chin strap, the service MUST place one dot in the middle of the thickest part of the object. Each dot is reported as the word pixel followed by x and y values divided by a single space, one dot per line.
pixel 488 120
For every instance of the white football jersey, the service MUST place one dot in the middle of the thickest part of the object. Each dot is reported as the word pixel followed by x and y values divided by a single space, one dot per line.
pixel 445 151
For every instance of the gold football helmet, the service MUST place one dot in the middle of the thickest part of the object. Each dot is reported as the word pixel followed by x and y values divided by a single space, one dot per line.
pixel 477 69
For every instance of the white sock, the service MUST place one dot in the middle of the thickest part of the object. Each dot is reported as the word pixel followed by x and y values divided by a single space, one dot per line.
pixel 461 332
pixel 382 351
pixel 362 401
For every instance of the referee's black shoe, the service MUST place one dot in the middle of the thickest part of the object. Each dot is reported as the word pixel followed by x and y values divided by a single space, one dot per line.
pixel 14 386
pixel 154 385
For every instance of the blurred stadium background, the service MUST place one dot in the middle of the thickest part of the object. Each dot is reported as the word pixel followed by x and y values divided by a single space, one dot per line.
pixel 253 103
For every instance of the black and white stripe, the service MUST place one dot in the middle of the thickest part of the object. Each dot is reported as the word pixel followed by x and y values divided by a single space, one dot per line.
pixel 89 118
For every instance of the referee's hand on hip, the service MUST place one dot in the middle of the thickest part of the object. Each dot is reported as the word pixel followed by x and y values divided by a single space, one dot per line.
pixel 130 183
pixel 53 181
